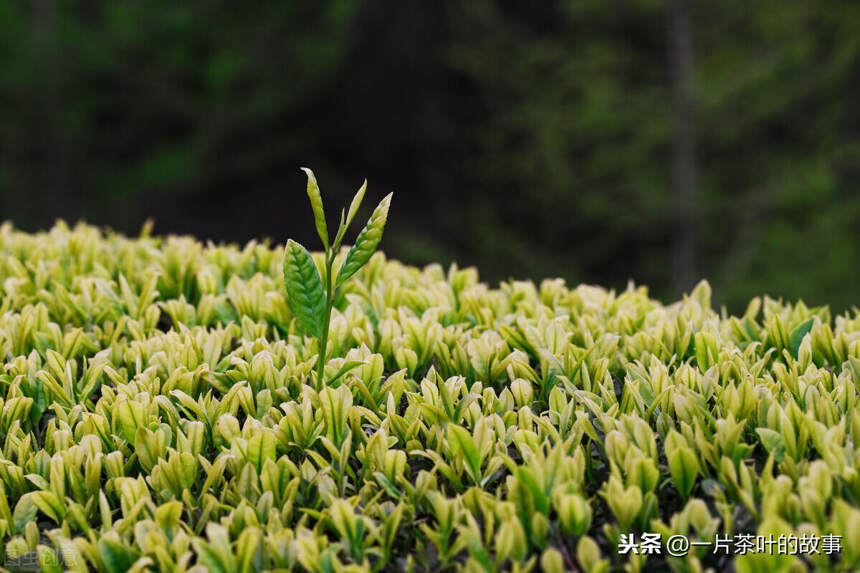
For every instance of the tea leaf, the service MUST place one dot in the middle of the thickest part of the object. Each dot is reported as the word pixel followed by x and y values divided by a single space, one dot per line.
pixel 25 511
pixel 116 556
pixel 773 442
pixel 366 243
pixel 305 293
pixel 261 447
pixel 317 205
pixel 684 468
pixel 356 203
pixel 798 333
pixel 462 444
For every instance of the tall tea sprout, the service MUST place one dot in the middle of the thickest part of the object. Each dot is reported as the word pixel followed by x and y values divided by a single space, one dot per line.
pixel 310 301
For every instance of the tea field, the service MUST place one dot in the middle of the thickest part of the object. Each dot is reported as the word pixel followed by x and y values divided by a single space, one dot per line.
pixel 162 410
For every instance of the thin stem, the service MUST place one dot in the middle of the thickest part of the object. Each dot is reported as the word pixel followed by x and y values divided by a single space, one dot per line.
pixel 329 302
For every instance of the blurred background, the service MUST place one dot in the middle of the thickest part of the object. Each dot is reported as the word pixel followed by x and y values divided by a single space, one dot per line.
pixel 659 141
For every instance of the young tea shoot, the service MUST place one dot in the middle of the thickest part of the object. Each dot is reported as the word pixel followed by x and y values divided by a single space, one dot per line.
pixel 309 298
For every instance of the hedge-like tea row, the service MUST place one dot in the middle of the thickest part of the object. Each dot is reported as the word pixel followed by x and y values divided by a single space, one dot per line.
pixel 159 411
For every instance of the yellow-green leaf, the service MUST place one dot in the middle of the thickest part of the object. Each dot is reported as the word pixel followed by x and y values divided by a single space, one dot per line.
pixel 317 205
pixel 261 447
pixel 366 243
pixel 356 203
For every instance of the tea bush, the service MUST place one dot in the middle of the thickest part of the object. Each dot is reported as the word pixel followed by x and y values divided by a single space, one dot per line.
pixel 161 410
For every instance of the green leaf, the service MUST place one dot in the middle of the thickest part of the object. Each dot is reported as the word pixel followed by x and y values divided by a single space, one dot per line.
pixel 247 547
pixel 116 556
pixel 356 203
pixel 366 242
pixel 853 366
pixel 208 557
pixel 49 560
pixel 387 485
pixel 773 442
pixel 798 333
pixel 347 366
pixel 25 512
pixel 305 294
pixel 353 211
pixel 530 484
pixel 317 206
pixel 129 415
pixel 684 468
pixel 462 444
pixel 261 447
pixel 336 404
pixel 149 446
pixel 344 520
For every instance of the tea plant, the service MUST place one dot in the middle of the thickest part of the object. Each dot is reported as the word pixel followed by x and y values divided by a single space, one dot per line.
pixel 309 300
pixel 168 405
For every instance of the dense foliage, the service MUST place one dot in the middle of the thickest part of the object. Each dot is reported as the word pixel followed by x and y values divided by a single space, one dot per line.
pixel 159 410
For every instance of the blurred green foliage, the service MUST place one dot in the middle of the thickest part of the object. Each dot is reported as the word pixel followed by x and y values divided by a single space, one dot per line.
pixel 124 102
pixel 530 139
pixel 580 125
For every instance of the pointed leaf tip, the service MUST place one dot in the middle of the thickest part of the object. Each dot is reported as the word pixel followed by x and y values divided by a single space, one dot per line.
pixel 356 203
pixel 315 196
